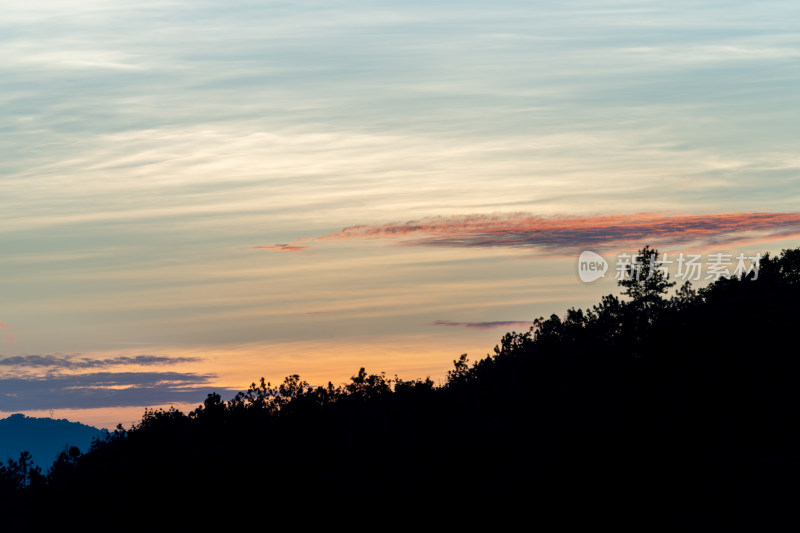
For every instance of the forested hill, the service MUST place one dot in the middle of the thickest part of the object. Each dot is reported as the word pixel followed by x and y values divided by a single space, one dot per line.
pixel 659 407
pixel 44 438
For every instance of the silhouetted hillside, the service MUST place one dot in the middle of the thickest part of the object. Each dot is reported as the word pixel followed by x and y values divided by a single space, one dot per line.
pixel 44 438
pixel 648 410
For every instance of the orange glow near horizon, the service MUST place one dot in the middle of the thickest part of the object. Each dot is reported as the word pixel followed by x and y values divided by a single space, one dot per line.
pixel 317 362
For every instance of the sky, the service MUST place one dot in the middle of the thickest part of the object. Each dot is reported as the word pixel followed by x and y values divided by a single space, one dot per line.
pixel 196 194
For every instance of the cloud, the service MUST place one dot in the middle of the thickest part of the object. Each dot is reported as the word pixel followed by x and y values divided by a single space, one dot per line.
pixel 483 325
pixel 524 230
pixel 9 333
pixel 283 247
pixel 105 389
pixel 73 363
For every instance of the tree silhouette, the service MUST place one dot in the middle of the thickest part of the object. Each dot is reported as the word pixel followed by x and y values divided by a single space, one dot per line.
pixel 651 408
pixel 645 279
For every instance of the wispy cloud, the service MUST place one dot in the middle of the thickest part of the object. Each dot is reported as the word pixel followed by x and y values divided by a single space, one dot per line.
pixel 77 363
pixel 9 334
pixel 283 247
pixel 483 325
pixel 105 389
pixel 524 230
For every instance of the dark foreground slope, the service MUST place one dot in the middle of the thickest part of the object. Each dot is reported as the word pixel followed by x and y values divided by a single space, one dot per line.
pixel 647 410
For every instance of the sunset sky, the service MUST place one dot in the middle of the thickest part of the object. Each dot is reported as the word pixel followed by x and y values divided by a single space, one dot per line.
pixel 195 194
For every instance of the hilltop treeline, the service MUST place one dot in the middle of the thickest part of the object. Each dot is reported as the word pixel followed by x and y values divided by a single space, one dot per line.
pixel 658 406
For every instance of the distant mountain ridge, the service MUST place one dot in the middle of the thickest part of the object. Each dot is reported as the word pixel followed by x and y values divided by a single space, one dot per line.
pixel 44 438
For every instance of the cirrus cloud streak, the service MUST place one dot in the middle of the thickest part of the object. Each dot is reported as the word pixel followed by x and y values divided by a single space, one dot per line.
pixel 557 234
pixel 73 363
pixel 105 389
pixel 482 325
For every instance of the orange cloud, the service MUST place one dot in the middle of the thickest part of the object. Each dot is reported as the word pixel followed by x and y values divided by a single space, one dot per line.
pixel 524 230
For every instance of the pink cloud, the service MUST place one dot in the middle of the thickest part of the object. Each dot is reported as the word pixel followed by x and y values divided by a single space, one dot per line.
pixel 9 333
pixel 561 233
